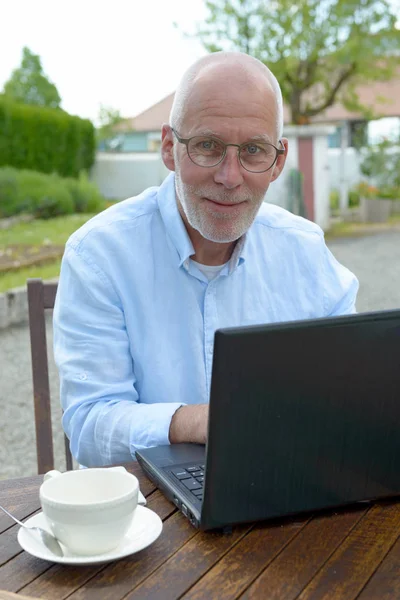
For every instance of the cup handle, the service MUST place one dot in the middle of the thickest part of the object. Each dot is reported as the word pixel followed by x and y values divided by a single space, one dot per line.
pixel 51 474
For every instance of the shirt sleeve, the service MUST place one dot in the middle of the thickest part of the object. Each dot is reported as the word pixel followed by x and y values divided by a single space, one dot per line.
pixel 340 286
pixel 103 416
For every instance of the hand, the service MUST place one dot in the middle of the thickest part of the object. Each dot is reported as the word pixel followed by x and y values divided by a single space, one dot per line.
pixel 189 424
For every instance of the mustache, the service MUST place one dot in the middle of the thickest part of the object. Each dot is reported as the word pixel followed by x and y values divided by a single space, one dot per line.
pixel 219 196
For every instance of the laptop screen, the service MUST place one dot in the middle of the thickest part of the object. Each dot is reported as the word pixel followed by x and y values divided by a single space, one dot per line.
pixel 303 415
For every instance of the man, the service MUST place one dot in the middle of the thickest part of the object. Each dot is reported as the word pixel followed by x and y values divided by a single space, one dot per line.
pixel 145 284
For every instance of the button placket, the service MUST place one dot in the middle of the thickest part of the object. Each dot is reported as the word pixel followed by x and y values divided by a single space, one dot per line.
pixel 209 328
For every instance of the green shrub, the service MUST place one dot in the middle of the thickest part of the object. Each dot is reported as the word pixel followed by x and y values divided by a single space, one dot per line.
pixel 354 198
pixel 30 185
pixel 53 202
pixel 45 139
pixel 85 195
pixel 296 203
pixel 381 164
pixel 9 198
pixel 334 199
pixel 45 196
pixel 389 193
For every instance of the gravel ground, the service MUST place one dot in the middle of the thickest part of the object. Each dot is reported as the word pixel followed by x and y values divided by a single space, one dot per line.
pixel 374 259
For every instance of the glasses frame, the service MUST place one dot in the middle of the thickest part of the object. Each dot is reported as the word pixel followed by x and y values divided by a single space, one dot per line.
pixel 186 141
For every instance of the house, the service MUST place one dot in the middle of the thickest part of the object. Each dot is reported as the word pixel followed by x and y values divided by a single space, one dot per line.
pixel 143 132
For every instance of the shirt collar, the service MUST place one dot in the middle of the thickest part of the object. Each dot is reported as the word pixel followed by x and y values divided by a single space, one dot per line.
pixel 173 221
pixel 239 254
pixel 177 232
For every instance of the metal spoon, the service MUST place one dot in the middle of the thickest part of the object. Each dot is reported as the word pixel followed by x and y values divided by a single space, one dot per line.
pixel 47 538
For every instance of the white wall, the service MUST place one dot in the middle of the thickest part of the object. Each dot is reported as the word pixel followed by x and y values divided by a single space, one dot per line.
pixel 321 182
pixel 348 168
pixel 119 176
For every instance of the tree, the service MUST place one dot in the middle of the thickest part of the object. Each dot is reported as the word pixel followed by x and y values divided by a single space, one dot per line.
pixel 381 163
pixel 108 118
pixel 29 84
pixel 319 50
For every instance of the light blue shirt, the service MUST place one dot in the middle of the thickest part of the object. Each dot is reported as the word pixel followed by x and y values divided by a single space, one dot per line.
pixel 134 319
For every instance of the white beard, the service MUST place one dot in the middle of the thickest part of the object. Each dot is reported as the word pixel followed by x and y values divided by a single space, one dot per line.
pixel 213 225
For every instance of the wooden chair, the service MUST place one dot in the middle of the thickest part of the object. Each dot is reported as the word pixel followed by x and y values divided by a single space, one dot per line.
pixel 41 296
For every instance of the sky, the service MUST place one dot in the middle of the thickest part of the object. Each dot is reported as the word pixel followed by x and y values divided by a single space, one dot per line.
pixel 126 54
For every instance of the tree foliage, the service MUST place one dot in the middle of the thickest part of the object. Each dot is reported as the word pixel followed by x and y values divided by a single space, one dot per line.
pixel 381 163
pixel 319 50
pixel 28 83
pixel 108 118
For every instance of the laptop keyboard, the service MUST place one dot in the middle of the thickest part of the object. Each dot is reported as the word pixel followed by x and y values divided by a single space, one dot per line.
pixel 192 478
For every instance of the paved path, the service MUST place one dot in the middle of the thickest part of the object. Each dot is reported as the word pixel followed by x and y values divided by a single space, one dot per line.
pixel 374 259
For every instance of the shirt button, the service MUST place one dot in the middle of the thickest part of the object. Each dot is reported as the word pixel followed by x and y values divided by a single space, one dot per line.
pixel 83 376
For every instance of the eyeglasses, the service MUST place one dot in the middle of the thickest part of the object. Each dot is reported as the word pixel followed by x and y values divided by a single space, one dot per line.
pixel 209 151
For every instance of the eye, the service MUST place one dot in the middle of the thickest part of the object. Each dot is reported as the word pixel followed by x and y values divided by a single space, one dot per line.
pixel 253 149
pixel 207 144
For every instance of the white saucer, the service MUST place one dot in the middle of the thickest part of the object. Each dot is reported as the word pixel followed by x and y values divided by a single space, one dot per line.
pixel 145 529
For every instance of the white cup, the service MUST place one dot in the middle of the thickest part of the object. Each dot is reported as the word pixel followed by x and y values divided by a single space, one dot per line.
pixel 89 510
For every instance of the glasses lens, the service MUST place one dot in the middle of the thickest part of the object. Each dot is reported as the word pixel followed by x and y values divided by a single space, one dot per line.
pixel 257 157
pixel 205 151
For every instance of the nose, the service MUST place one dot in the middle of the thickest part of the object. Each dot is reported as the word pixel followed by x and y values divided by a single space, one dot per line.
pixel 229 171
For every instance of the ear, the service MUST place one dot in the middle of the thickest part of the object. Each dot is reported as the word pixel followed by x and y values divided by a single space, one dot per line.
pixel 280 163
pixel 167 147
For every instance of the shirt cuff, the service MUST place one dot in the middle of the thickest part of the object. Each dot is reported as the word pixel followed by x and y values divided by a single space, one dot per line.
pixel 158 430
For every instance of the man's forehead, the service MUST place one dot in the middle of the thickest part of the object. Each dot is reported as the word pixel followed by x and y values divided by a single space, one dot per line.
pixel 223 119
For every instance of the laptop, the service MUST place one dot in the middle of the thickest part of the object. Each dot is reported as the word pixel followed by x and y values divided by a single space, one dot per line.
pixel 303 416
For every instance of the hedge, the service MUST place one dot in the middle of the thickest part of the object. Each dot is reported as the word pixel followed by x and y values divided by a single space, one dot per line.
pixel 45 139
pixel 45 196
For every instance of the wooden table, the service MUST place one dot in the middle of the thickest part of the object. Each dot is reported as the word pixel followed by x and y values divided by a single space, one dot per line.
pixel 346 554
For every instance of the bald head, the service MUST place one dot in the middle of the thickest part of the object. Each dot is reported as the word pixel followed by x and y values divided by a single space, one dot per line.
pixel 225 69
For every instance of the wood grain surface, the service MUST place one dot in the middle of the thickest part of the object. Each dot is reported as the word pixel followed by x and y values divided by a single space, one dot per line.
pixel 350 554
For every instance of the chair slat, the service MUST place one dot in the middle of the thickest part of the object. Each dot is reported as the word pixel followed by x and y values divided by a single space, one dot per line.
pixel 49 294
pixel 42 296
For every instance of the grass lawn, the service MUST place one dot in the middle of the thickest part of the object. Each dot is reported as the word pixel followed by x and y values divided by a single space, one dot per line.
pixel 43 231
pixel 343 229
pixel 13 279
pixel 37 233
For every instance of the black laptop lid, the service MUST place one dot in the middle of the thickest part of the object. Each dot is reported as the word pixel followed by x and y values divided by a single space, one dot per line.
pixel 303 416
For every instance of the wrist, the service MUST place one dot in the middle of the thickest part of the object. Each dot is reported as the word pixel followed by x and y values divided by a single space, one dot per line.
pixel 189 424
pixel 175 428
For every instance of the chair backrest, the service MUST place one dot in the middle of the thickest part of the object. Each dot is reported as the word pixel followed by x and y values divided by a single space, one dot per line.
pixel 41 296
